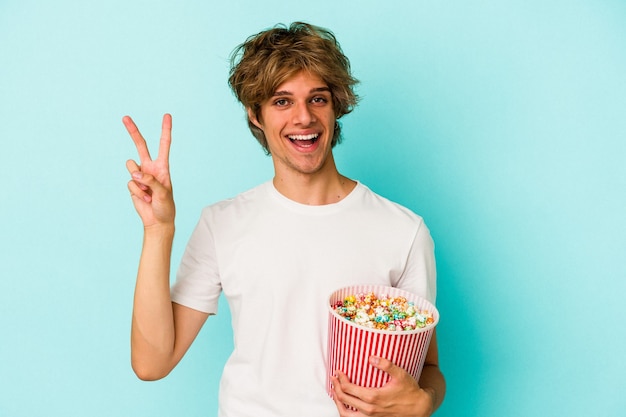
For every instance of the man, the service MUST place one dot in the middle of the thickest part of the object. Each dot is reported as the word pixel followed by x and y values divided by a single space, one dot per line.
pixel 277 251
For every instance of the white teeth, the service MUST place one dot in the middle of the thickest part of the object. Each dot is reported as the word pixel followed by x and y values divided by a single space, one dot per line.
pixel 304 137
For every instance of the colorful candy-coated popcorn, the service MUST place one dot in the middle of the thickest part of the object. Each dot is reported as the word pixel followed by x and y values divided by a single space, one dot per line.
pixel 383 313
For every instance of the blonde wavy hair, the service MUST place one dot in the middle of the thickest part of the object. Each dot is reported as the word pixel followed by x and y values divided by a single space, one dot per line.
pixel 266 60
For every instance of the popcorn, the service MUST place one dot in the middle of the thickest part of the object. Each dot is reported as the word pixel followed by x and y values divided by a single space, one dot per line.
pixel 377 320
pixel 382 313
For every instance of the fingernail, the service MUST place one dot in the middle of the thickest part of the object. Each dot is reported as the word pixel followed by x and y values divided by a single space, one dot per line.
pixel 137 175
pixel 374 360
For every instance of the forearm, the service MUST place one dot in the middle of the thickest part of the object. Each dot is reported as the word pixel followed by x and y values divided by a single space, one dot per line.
pixel 153 332
pixel 433 382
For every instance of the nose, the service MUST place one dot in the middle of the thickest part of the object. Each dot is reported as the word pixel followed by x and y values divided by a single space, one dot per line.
pixel 302 115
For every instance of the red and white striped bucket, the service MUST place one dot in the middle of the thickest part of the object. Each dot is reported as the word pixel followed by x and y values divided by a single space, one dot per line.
pixel 350 345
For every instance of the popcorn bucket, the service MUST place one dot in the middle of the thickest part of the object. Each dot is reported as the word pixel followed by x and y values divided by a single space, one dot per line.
pixel 350 345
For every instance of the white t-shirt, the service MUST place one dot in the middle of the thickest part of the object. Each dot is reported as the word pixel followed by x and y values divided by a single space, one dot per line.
pixel 277 262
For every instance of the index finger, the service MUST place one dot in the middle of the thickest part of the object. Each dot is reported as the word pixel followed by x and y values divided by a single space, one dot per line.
pixel 140 142
pixel 166 137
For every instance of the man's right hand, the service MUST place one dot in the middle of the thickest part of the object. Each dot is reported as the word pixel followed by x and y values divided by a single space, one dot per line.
pixel 151 186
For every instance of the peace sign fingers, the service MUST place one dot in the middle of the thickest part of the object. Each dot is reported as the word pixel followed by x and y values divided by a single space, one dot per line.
pixel 150 185
pixel 158 167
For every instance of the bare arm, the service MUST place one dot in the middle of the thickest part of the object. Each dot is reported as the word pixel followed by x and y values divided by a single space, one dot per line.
pixel 161 331
pixel 432 380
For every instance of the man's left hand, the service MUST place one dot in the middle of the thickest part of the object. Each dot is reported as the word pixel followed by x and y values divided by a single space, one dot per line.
pixel 401 395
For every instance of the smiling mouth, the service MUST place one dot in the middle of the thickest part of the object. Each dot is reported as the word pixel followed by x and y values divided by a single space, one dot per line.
pixel 304 140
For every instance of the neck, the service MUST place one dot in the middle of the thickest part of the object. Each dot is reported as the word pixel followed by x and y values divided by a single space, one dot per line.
pixel 316 189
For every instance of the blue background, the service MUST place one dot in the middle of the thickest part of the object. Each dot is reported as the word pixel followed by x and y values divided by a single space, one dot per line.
pixel 503 123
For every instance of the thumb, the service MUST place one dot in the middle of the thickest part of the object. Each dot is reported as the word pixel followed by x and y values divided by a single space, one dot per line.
pixel 386 365
pixel 146 179
pixel 148 187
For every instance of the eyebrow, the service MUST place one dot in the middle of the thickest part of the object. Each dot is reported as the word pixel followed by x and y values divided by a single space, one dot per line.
pixel 314 90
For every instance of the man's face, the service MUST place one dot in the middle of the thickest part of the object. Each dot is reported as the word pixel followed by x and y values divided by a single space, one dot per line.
pixel 298 122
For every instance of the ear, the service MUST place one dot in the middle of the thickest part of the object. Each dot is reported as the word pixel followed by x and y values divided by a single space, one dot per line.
pixel 253 119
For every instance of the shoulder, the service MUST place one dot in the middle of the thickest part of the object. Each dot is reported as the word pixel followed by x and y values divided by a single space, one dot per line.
pixel 386 207
pixel 243 201
pixel 237 214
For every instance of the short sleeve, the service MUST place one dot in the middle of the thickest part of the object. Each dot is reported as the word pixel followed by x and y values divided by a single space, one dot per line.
pixel 420 274
pixel 198 283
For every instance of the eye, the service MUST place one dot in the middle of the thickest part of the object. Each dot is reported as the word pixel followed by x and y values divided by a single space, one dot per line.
pixel 319 100
pixel 281 102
